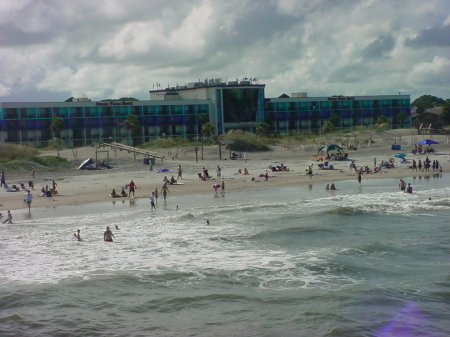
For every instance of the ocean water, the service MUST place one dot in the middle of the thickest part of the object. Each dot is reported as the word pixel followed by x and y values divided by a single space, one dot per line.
pixel 294 261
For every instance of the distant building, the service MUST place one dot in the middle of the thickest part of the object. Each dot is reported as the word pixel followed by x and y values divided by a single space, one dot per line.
pixel 173 112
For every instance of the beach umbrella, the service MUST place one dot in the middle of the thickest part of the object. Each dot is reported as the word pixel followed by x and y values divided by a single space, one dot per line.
pixel 331 147
pixel 86 163
pixel 399 155
pixel 162 170
pixel 426 142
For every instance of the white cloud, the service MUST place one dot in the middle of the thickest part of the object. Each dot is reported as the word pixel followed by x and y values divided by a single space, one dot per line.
pixel 108 49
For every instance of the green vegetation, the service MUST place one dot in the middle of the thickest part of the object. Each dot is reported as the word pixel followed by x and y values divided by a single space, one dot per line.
pixel 57 126
pixel 164 143
pixel 23 158
pixel 244 141
pixel 427 102
pixel 132 124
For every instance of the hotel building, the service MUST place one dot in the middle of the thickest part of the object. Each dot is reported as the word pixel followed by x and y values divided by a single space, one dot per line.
pixel 172 112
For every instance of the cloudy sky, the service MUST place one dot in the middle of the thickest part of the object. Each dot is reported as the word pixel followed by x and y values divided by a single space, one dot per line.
pixel 51 50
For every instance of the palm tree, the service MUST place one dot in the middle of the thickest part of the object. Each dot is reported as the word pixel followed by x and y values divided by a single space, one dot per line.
pixel 132 124
pixel 57 126
pixel 201 120
pixel 262 128
pixel 401 117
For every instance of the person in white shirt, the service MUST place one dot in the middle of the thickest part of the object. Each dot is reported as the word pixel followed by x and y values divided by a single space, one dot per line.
pixel 28 198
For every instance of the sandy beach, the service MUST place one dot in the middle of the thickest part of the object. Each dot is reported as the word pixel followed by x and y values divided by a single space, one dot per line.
pixel 77 187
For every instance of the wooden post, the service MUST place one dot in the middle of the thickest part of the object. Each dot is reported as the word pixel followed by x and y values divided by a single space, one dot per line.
pixel 220 151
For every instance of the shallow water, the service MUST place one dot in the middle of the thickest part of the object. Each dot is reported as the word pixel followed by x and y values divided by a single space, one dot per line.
pixel 297 261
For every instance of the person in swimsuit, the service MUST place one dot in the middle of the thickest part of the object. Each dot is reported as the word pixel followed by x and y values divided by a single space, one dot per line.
pixel 77 235
pixel 108 235
pixel 164 191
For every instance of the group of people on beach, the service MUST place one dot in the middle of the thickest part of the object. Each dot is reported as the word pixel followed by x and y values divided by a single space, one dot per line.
pixel 47 191
pixel 426 166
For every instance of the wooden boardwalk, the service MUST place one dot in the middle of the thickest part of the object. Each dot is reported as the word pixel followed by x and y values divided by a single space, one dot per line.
pixel 131 149
pixel 433 132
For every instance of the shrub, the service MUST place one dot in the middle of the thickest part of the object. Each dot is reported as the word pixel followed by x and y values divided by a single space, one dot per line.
pixel 244 141
pixel 10 152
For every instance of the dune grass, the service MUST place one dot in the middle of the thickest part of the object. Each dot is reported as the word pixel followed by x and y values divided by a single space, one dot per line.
pixel 14 157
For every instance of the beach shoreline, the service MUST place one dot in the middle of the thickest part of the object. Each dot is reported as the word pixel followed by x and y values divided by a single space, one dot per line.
pixel 78 187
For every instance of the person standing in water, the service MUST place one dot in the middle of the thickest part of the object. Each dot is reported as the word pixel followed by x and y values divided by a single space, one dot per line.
pixel 152 201
pixel 9 218
pixel 77 235
pixel 28 198
pixel 108 235
pixel 164 191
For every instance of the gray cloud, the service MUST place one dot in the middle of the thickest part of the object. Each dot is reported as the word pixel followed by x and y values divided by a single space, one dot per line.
pixel 120 49
pixel 437 36
pixel 380 47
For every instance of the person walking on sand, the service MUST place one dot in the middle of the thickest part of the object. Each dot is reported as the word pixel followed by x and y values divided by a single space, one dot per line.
pixel 218 172
pixel 310 171
pixel 164 191
pixel 28 198
pixel 2 179
pixel 152 201
pixel 131 187
pixel 414 165
pixel 32 172
pixel 108 235
pixel 180 172
pixel 9 218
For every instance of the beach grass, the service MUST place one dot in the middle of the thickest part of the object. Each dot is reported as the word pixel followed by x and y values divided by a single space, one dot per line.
pixel 21 157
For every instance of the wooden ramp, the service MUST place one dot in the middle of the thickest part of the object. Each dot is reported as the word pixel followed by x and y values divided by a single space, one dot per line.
pixel 131 149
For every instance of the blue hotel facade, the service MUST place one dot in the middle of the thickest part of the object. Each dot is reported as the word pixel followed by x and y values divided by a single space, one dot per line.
pixel 173 112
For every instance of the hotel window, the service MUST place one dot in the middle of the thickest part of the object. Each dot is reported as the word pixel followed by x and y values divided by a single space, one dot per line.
pixel 178 110
pixel 304 106
pixel 292 106
pixel 346 104
pixel 386 103
pixel 281 106
pixel 325 105
pixel 336 105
